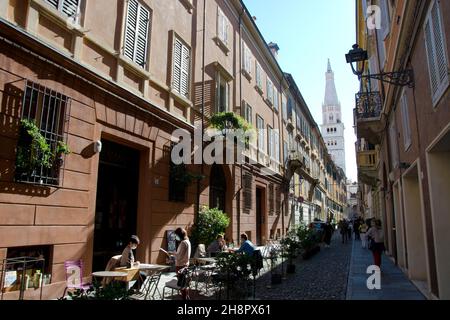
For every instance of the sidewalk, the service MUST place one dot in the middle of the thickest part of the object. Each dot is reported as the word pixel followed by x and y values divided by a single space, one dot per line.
pixel 394 283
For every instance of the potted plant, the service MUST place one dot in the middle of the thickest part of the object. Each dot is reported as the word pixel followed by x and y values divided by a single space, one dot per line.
pixel 308 241
pixel 290 246
pixel 273 256
pixel 61 149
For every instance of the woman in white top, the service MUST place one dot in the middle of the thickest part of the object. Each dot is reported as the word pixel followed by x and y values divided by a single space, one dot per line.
pixel 376 236
pixel 182 255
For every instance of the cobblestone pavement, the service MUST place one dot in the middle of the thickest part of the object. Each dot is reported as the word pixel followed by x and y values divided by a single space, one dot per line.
pixel 322 277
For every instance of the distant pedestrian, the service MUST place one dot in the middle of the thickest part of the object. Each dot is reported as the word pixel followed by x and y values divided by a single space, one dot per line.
pixel 328 230
pixel 375 237
pixel 350 229
pixel 343 230
pixel 356 225
pixel 363 230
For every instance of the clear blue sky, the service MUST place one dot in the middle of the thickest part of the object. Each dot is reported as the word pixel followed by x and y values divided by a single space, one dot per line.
pixel 309 32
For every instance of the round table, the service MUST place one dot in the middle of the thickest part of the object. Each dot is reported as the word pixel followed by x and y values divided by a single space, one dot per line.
pixel 109 274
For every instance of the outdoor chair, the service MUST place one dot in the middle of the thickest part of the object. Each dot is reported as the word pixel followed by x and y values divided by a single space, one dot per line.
pixel 200 252
pixel 149 287
pixel 173 284
pixel 74 277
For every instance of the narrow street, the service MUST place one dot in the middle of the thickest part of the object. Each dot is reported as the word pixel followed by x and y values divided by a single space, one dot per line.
pixel 339 273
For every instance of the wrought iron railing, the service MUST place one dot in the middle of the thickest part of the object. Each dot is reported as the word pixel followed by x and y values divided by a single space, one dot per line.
pixel 368 105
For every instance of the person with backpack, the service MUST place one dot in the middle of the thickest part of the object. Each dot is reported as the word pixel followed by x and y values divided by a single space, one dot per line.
pixel 376 241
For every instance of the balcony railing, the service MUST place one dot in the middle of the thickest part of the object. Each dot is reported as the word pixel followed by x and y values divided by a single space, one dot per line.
pixel 368 105
pixel 367 159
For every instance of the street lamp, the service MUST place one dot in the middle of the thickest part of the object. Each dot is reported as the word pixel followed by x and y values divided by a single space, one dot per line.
pixel 397 78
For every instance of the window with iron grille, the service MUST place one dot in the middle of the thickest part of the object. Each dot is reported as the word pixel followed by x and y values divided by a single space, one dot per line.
pixel 70 8
pixel 39 156
pixel 271 200
pixel 247 181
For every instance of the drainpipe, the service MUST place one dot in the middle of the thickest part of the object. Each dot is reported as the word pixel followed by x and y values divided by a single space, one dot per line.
pixel 202 167
pixel 238 236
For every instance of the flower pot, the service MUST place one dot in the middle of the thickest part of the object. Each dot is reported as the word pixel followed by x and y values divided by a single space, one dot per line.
pixel 290 268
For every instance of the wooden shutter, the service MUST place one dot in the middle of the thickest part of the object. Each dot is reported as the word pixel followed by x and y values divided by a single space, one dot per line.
pixel 142 36
pixel 247 191
pixel 276 145
pixel 130 31
pixel 271 199
pixel 278 201
pixel 436 52
pixel 70 8
pixel 405 119
pixel 185 66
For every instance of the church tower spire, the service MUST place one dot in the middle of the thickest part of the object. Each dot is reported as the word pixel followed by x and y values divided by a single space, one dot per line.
pixel 332 126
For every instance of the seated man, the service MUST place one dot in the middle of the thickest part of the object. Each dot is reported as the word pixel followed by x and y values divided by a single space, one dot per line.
pixel 217 246
pixel 247 246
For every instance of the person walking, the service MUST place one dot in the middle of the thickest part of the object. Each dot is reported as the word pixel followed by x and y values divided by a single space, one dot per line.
pixel 362 231
pixel 343 230
pixel 375 237
pixel 328 234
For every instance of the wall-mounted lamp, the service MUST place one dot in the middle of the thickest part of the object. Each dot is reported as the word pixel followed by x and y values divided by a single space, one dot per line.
pixel 97 146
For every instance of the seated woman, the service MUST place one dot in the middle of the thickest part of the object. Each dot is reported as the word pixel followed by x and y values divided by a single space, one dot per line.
pixel 217 246
pixel 127 259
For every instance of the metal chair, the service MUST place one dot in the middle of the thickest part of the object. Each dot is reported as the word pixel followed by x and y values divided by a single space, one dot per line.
pixel 149 287
pixel 173 284
pixel 74 276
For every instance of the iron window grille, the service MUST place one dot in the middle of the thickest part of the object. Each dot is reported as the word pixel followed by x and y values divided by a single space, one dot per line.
pixel 49 110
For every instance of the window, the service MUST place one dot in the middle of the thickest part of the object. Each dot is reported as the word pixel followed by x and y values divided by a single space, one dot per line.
pixel 47 108
pixel 248 113
pixel 275 100
pixel 383 32
pixel 285 152
pixel 269 91
pixel 270 142
pixel 177 187
pixel 181 68
pixel 247 60
pixel 271 200
pixel 284 107
pixel 137 33
pixel 289 107
pixel 259 83
pixel 261 137
pixel 70 8
pixel 247 181
pixel 291 141
pixel 405 121
pixel 222 94
pixel 436 52
pixel 276 145
pixel 223 26
pixel 393 144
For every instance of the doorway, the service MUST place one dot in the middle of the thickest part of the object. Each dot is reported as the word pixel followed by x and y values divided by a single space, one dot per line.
pixel 259 216
pixel 116 204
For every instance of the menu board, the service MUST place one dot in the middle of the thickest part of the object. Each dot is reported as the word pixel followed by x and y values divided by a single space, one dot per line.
pixel 171 241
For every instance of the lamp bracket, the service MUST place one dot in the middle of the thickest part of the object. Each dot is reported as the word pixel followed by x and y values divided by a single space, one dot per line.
pixel 397 78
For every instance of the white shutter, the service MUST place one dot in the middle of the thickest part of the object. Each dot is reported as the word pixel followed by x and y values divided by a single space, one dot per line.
pixel 405 120
pixel 54 3
pixel 185 66
pixel 177 53
pixel 270 141
pixel 277 145
pixel 436 52
pixel 142 36
pixel 130 29
pixel 220 24
pixel 258 75
pixel 70 8
pixel 275 99
pixel 440 50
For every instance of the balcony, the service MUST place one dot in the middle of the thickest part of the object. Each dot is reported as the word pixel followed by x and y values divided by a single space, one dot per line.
pixel 367 116
pixel 367 166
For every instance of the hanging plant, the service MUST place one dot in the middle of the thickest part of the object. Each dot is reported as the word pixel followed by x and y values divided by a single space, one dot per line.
pixel 33 150
pixel 180 175
pixel 229 121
